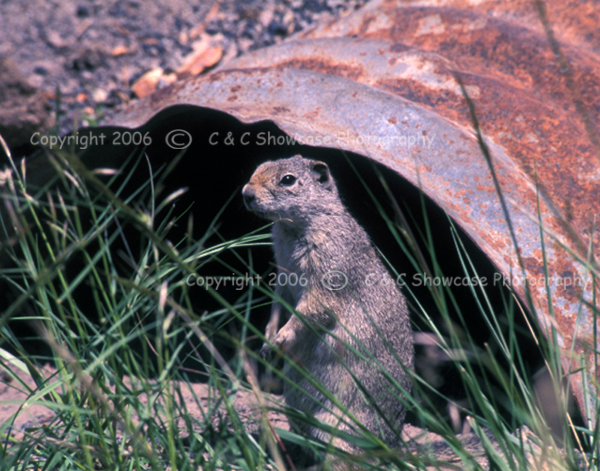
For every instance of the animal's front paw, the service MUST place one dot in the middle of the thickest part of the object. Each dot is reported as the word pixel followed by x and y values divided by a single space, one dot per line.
pixel 282 341
pixel 266 351
pixel 272 343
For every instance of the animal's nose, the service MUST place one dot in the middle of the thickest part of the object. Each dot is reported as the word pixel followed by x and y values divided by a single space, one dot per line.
pixel 249 196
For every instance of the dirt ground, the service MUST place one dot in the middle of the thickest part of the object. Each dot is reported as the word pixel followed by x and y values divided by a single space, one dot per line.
pixel 30 417
pixel 73 63
pixel 14 393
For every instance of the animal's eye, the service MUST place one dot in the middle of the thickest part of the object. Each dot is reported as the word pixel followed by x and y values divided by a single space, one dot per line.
pixel 287 180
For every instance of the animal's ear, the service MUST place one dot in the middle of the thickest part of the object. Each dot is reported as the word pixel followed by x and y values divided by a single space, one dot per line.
pixel 321 172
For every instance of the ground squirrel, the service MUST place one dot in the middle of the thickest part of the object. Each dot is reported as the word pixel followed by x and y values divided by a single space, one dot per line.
pixel 350 320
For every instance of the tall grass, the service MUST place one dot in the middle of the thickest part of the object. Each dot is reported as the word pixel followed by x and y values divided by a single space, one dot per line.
pixel 93 269
pixel 118 327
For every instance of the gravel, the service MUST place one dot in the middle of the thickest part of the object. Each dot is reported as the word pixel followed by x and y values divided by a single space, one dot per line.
pixel 83 56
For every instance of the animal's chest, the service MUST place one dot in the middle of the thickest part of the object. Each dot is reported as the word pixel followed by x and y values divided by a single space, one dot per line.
pixel 295 266
pixel 292 275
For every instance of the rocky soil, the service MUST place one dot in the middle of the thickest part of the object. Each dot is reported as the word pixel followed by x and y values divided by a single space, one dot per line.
pixel 73 63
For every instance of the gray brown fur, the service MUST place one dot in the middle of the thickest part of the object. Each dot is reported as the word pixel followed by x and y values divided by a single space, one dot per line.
pixel 316 238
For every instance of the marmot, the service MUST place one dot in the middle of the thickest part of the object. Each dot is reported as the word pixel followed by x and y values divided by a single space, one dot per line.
pixel 349 322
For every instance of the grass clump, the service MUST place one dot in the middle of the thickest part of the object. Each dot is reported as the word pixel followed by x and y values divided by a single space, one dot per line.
pixel 98 273
pixel 116 316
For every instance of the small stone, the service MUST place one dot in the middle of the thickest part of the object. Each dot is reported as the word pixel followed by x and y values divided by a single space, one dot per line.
pixel 147 83
pixel 203 57
pixel 150 41
pixel 168 79
pixel 121 50
pixel 55 40
pixel 183 38
pixel 99 95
